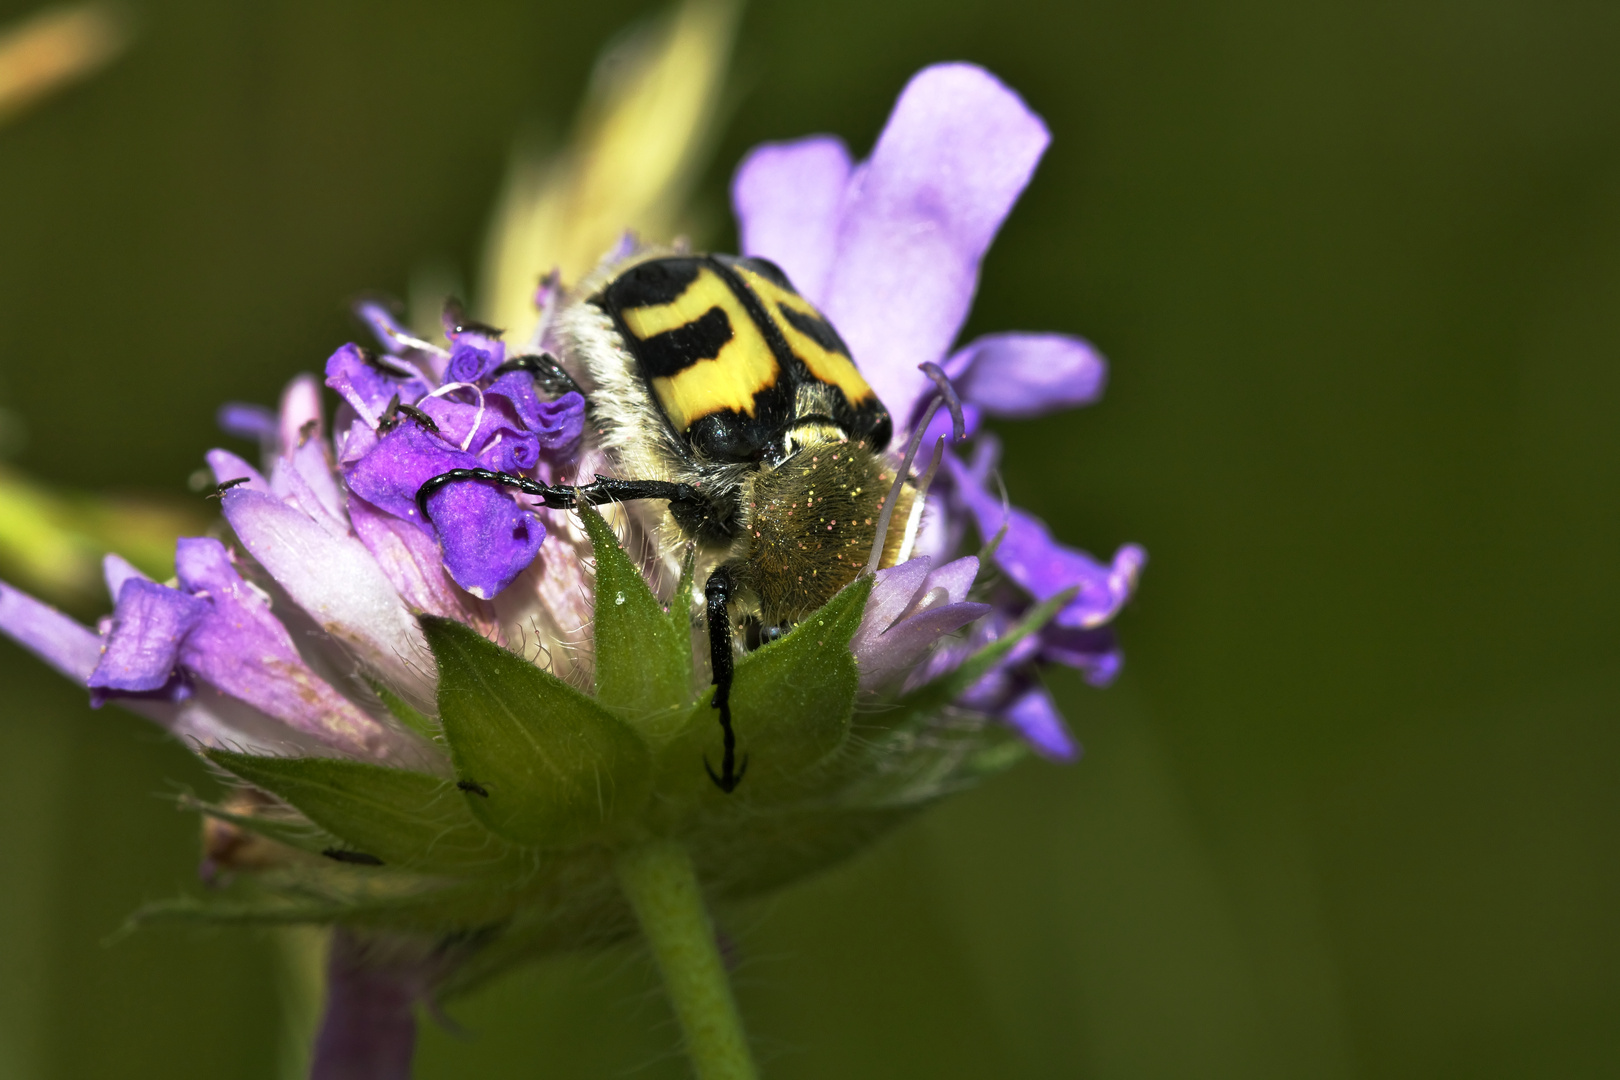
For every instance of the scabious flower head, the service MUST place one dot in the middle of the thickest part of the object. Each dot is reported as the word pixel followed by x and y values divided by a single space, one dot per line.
pixel 444 726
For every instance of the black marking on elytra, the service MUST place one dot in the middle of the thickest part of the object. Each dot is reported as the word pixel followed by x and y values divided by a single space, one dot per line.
pixel 815 328
pixel 673 351
pixel 356 858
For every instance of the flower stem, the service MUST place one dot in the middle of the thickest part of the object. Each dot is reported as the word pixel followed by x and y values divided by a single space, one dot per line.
pixel 662 887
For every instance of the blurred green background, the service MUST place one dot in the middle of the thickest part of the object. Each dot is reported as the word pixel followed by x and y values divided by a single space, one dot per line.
pixel 1354 807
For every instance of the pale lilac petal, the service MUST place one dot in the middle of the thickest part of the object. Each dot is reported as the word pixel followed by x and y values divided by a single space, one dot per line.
pixel 50 635
pixel 408 558
pixel 1042 567
pixel 115 570
pixel 955 155
pixel 148 626
pixel 1028 374
pixel 254 423
pixel 1034 716
pixel 354 442
pixel 955 577
pixel 787 198
pixel 227 466
pixel 893 592
pixel 897 650
pixel 300 415
pixel 304 479
pixel 335 580
pixel 368 1030
pixel 244 650
pixel 388 330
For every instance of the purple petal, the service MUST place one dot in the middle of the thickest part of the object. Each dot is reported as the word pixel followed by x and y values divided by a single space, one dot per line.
pixel 893 592
pixel 252 422
pixel 402 461
pixel 1094 653
pixel 335 580
pixel 368 1031
pixel 469 363
pixel 115 570
pixel 955 577
pixel 557 424
pixel 149 623
pixel 485 537
pixel 787 198
pixel 955 155
pixel 511 452
pixel 300 418
pixel 50 635
pixel 1028 374
pixel 1042 567
pixel 368 386
pixel 387 329
pixel 1034 716
pixel 227 467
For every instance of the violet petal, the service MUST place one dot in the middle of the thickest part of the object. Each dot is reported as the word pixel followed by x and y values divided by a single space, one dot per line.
pixel 1094 653
pixel 1034 716
pixel 940 426
pixel 1042 567
pixel 787 198
pixel 384 327
pixel 115 570
pixel 957 151
pixel 487 539
pixel 1028 374
pixel 402 461
pixel 367 386
pixel 50 635
pixel 149 624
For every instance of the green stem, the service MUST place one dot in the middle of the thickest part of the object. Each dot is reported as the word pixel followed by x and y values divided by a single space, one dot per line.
pixel 662 887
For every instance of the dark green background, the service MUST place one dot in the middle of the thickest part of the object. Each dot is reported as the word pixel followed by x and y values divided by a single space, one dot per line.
pixel 1351 811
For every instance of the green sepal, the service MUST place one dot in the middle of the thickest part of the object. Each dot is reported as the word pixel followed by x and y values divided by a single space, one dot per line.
pixel 404 818
pixel 791 703
pixel 298 834
pixel 404 711
pixel 642 665
pixel 545 766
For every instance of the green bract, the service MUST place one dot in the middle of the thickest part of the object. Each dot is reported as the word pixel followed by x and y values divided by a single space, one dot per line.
pixel 504 846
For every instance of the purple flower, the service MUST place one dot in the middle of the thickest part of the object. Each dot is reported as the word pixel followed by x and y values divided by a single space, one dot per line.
pixel 303 630
pixel 890 249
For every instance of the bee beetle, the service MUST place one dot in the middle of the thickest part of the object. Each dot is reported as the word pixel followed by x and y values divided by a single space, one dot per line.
pixel 720 391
